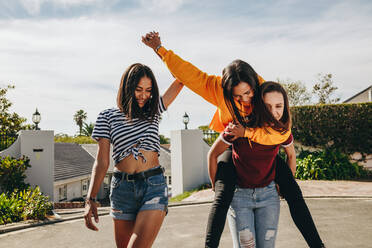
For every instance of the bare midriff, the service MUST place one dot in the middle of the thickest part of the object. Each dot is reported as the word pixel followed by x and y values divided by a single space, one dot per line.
pixel 130 165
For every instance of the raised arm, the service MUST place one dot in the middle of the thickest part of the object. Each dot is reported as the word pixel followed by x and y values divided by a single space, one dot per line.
pixel 207 86
pixel 218 147
pixel 172 92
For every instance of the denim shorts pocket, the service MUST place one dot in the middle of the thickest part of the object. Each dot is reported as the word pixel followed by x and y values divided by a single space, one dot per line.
pixel 156 180
pixel 115 182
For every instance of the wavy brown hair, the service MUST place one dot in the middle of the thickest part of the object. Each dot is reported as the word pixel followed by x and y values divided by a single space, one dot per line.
pixel 236 72
pixel 263 117
pixel 126 99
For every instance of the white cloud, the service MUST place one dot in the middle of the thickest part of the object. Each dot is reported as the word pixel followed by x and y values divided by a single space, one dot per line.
pixel 165 6
pixel 32 6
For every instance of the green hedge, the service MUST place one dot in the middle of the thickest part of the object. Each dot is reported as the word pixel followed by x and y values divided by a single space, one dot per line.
pixel 344 127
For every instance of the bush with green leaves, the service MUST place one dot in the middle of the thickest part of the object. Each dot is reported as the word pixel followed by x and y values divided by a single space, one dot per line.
pixel 24 205
pixel 343 127
pixel 328 164
pixel 18 201
pixel 13 173
pixel 10 209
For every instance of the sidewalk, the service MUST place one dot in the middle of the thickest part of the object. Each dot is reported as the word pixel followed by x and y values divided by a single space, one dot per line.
pixel 310 188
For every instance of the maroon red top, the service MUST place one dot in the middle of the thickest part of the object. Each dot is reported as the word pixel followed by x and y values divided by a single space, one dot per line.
pixel 255 166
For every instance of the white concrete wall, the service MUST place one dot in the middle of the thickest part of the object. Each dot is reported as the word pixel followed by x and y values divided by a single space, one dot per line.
pixel 41 172
pixel 188 160
pixel 13 150
pixel 56 193
pixel 206 149
pixel 73 190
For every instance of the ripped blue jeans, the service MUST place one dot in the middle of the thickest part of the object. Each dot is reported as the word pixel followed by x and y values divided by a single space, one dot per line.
pixel 253 217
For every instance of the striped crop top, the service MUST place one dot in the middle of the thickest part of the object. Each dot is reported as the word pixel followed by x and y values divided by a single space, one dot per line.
pixel 127 136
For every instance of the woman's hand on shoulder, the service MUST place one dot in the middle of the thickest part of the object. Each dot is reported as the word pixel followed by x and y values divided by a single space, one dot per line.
pixel 152 39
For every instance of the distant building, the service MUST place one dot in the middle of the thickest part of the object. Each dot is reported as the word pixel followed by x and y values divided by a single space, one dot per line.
pixel 72 170
pixel 363 96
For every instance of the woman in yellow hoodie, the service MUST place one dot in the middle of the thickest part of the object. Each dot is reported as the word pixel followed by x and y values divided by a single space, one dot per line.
pixel 214 89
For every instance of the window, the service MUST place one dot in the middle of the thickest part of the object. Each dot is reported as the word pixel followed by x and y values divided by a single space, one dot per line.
pixel 62 190
pixel 170 180
pixel 84 187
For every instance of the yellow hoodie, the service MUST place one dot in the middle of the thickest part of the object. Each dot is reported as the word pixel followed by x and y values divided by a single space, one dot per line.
pixel 210 88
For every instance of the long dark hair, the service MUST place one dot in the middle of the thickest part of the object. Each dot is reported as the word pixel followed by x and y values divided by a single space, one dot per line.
pixel 236 72
pixel 126 100
pixel 263 117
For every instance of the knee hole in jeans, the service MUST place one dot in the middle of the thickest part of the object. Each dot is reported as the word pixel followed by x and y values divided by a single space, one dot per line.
pixel 246 239
pixel 270 234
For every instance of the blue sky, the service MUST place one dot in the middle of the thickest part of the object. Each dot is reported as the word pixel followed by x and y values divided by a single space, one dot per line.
pixel 66 55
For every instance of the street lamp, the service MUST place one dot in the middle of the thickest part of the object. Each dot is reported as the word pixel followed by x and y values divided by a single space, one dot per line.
pixel 186 120
pixel 36 118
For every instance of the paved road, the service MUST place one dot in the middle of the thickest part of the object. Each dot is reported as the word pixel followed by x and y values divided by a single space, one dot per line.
pixel 341 222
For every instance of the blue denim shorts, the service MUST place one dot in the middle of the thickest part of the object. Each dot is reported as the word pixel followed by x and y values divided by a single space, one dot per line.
pixel 128 198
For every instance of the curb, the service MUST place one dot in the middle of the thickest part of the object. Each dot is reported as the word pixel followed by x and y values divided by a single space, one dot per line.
pixel 77 214
pixel 19 226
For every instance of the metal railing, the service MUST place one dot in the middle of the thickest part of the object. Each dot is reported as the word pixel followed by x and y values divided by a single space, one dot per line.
pixel 7 139
pixel 210 136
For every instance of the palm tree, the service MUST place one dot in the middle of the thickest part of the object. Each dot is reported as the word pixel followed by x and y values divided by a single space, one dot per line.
pixel 79 117
pixel 88 129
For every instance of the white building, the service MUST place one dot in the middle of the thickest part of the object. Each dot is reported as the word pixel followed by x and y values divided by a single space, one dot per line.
pixel 363 96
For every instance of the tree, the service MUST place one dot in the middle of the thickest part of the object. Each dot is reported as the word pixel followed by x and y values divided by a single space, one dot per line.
pixel 79 117
pixel 204 128
pixel 88 129
pixel 163 139
pixel 324 88
pixel 297 92
pixel 9 122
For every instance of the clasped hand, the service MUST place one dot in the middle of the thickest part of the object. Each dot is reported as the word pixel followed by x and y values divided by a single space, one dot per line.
pixel 235 130
pixel 152 39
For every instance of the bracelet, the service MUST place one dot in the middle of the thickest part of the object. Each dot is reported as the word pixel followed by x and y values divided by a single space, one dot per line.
pixel 157 48
pixel 93 199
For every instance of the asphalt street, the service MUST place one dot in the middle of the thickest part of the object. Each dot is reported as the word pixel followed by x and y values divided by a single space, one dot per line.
pixel 342 222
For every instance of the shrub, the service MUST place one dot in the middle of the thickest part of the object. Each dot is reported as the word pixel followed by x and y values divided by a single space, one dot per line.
pixel 328 164
pixel 10 209
pixel 23 205
pixel 343 127
pixel 18 201
pixel 13 174
pixel 37 205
